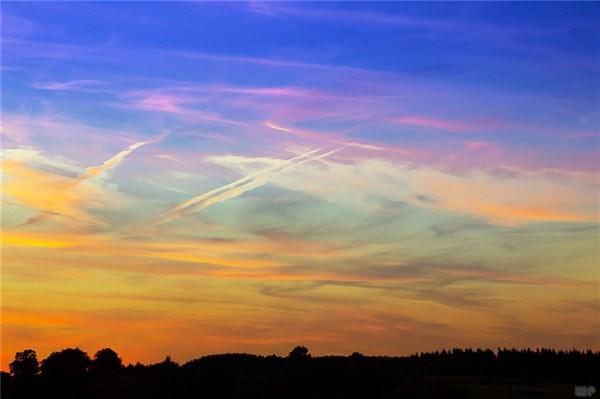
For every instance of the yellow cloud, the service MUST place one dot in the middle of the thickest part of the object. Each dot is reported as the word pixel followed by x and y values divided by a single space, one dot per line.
pixel 48 192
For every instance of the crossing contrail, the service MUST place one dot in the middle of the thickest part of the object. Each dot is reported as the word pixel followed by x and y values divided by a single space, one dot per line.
pixel 238 187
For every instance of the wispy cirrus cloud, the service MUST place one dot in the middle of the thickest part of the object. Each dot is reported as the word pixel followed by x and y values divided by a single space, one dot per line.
pixel 180 104
pixel 354 16
pixel 523 197
pixel 438 124
pixel 90 85
pixel 57 134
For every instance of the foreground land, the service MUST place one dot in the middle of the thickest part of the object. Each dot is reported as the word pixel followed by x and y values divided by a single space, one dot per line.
pixel 447 374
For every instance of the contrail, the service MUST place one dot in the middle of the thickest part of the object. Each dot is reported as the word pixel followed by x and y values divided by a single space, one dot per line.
pixel 237 188
pixel 332 138
pixel 89 173
pixel 251 185
pixel 199 198
pixel 110 163
pixel 114 161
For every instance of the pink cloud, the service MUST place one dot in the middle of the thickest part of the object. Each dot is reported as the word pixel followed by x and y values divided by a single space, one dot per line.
pixel 183 106
pixel 163 102
pixel 434 123
pixel 284 91
pixel 480 145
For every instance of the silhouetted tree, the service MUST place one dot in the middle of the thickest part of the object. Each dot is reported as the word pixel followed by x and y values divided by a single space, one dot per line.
pixel 106 362
pixel 25 365
pixel 168 364
pixel 68 363
pixel 299 352
pixel 23 377
pixel 65 374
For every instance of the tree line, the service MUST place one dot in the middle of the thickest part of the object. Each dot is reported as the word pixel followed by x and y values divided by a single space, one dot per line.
pixel 461 373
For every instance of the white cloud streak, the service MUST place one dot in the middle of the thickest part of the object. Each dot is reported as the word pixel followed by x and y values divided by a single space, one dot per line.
pixel 111 163
pixel 238 187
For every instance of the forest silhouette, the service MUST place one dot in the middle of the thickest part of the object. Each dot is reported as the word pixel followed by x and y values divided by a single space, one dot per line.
pixel 456 373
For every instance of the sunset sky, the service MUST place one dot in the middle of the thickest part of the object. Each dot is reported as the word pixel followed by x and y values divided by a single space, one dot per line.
pixel 192 178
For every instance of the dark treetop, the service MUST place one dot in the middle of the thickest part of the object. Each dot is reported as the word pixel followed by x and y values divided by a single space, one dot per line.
pixel 456 373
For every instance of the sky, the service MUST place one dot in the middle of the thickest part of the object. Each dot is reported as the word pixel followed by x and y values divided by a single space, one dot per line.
pixel 192 178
